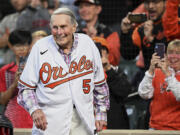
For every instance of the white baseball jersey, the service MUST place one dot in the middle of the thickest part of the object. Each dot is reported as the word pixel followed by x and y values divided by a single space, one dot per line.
pixel 59 86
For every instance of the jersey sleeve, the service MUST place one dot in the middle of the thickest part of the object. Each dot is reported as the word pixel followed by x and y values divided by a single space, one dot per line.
pixel 30 74
pixel 99 77
pixel 101 90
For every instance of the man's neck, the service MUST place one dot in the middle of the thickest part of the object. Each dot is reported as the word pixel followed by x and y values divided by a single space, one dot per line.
pixel 67 49
pixel 92 22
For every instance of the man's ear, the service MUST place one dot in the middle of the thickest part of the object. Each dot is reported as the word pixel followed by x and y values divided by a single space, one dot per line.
pixel 99 9
pixel 74 28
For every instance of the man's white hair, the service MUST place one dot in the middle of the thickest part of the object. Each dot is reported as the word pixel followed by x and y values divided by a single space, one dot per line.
pixel 66 11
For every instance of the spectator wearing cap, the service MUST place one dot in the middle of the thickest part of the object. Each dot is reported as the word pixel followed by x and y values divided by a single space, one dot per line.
pixel 119 88
pixel 143 38
pixel 89 11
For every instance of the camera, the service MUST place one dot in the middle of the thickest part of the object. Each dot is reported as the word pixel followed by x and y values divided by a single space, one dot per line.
pixel 137 18
pixel 160 49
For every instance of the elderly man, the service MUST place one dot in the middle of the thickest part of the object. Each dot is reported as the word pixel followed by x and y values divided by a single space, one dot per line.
pixel 63 85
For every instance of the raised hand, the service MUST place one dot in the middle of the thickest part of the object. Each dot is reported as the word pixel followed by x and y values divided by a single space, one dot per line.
pixel 155 61
pixel 164 65
pixel 126 24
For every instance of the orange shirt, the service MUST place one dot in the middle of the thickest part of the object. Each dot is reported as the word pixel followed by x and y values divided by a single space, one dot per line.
pixel 164 109
pixel 171 20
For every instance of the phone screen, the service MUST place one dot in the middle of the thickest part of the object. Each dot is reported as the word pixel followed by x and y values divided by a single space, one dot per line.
pixel 160 49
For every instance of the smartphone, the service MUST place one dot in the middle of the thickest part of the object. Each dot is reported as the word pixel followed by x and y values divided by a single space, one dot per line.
pixel 160 49
pixel 137 18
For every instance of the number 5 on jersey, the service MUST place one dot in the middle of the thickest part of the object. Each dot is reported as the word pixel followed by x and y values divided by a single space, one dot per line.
pixel 86 86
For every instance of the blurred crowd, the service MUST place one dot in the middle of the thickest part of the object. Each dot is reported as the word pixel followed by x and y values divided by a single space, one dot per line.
pixel 144 84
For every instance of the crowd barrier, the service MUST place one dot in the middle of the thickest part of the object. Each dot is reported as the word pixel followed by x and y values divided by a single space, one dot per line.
pixel 113 132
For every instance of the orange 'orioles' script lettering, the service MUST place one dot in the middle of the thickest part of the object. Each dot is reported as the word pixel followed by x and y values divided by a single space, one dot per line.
pixel 46 72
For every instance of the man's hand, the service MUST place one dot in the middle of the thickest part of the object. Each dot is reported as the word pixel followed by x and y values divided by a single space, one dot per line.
pixel 17 76
pixel 39 119
pixel 100 124
pixel 126 25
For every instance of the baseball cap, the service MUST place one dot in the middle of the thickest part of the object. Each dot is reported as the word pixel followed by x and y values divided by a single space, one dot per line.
pixel 100 43
pixel 96 2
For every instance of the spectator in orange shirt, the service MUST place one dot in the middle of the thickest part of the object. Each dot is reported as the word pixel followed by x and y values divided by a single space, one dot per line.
pixel 162 85
pixel 143 38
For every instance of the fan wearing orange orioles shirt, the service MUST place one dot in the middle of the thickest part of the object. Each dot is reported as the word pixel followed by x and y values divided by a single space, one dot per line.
pixel 161 83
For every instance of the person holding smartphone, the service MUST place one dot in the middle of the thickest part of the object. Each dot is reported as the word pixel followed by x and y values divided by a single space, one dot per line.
pixel 145 35
pixel 143 38
pixel 19 41
pixel 162 85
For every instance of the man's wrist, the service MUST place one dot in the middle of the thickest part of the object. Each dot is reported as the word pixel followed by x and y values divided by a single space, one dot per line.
pixel 33 109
